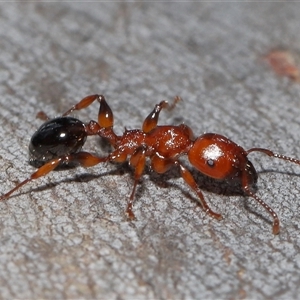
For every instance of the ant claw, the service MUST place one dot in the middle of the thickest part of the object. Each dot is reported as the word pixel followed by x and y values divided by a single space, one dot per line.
pixel 129 213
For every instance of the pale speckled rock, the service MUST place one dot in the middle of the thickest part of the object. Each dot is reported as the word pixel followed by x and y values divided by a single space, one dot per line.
pixel 65 236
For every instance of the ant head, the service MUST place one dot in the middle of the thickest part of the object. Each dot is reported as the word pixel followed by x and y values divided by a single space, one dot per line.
pixel 218 157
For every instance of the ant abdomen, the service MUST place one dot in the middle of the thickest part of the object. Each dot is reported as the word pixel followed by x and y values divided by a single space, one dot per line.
pixel 57 137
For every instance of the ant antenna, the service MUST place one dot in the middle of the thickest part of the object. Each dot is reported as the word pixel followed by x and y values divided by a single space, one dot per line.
pixel 272 154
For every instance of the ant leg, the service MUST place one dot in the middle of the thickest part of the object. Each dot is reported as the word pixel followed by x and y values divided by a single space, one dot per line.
pixel 105 115
pixel 161 165
pixel 272 154
pixel 85 102
pixel 105 122
pixel 104 127
pixel 42 116
pixel 85 159
pixel 189 179
pixel 137 161
pixel 152 119
pixel 246 188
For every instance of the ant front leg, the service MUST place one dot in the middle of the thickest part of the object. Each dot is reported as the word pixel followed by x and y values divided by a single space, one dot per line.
pixel 189 179
pixel 246 180
pixel 246 188
pixel 84 159
pixel 161 165
pixel 152 119
pixel 137 161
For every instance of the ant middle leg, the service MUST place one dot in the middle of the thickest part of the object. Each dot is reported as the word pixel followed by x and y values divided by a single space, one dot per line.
pixel 152 119
pixel 84 159
pixel 137 161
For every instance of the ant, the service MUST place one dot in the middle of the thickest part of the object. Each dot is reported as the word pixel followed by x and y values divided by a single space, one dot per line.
pixel 58 142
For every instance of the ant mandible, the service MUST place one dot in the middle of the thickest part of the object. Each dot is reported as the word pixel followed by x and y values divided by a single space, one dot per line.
pixel 59 141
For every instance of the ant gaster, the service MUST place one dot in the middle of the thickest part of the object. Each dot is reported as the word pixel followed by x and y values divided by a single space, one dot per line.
pixel 59 141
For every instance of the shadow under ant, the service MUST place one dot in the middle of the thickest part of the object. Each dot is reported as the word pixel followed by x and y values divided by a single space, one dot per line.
pixel 231 187
pixel 217 187
pixel 84 177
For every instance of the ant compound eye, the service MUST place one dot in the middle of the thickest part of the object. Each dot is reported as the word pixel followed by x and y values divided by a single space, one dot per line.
pixel 210 163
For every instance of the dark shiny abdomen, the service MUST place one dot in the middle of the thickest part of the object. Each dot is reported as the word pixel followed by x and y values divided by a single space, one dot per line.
pixel 55 138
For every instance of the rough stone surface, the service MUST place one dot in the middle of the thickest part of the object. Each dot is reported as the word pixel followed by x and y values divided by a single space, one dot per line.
pixel 66 235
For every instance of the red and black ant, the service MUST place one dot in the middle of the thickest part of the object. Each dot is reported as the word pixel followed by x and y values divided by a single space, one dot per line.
pixel 59 141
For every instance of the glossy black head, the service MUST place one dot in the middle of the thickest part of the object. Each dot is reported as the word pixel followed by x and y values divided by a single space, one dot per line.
pixel 55 138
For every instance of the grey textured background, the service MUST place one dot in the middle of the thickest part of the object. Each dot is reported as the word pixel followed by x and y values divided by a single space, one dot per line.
pixel 65 236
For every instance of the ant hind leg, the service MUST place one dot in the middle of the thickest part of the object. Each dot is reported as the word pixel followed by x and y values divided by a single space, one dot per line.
pixel 84 159
pixel 83 103
pixel 105 115
pixel 42 116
